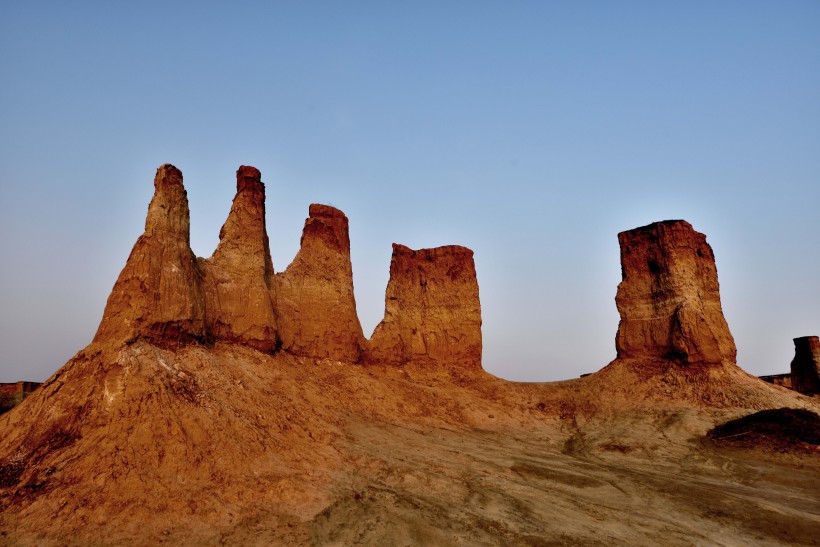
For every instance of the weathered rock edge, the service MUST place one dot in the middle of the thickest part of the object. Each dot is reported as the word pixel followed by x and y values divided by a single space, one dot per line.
pixel 170 298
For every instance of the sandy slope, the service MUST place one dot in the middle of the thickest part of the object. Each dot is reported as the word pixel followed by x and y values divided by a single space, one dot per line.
pixel 142 445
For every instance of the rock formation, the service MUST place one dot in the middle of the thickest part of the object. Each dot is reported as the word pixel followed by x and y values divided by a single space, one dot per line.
pixel 806 365
pixel 432 311
pixel 314 296
pixel 669 298
pixel 238 277
pixel 158 295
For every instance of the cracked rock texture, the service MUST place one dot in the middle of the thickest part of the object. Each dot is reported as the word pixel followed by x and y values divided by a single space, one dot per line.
pixel 314 295
pixel 432 311
pixel 158 295
pixel 238 277
pixel 669 298
pixel 806 365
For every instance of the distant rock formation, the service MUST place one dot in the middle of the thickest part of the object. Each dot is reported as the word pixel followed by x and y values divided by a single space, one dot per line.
pixel 238 277
pixel 432 310
pixel 806 365
pixel 314 295
pixel 158 295
pixel 669 298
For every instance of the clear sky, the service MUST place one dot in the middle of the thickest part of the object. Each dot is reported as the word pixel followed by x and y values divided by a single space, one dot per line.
pixel 531 132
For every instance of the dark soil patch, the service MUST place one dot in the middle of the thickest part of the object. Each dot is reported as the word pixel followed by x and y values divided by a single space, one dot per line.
pixel 782 429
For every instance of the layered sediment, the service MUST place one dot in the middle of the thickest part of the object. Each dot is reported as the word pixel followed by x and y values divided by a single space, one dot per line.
pixel 669 297
pixel 158 295
pixel 432 310
pixel 314 295
pixel 238 277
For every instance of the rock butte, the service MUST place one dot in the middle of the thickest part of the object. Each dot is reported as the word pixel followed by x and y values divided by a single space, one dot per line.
pixel 805 366
pixel 222 402
pixel 669 298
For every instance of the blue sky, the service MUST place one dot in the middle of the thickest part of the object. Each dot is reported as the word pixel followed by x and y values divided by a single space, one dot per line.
pixel 531 132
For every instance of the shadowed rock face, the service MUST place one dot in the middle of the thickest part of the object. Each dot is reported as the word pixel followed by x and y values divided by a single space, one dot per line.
pixel 806 365
pixel 238 277
pixel 432 310
pixel 669 298
pixel 158 295
pixel 314 296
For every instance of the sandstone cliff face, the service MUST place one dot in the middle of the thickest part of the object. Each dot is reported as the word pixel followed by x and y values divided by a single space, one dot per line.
pixel 432 310
pixel 314 296
pixel 669 298
pixel 158 295
pixel 238 277
pixel 806 365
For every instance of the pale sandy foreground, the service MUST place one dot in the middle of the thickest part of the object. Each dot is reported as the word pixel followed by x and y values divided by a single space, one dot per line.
pixel 226 445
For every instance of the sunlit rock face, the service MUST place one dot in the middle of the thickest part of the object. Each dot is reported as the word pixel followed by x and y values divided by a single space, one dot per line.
pixel 669 297
pixel 238 277
pixel 432 310
pixel 315 305
pixel 158 295
pixel 806 365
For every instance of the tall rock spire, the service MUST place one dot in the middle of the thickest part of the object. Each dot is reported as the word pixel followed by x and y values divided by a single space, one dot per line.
pixel 238 277
pixel 158 295
pixel 315 305
pixel 432 310
pixel 669 298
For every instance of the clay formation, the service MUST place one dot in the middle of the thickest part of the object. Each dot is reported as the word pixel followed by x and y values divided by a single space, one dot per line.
pixel 158 295
pixel 238 277
pixel 314 296
pixel 669 298
pixel 806 365
pixel 432 312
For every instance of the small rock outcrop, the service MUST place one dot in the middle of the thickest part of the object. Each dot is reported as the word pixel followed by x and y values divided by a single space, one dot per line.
pixel 432 310
pixel 669 298
pixel 158 295
pixel 806 365
pixel 238 277
pixel 314 296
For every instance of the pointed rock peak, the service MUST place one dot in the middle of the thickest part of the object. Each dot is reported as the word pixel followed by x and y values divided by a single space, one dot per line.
pixel 806 365
pixel 237 278
pixel 669 298
pixel 432 309
pixel 244 235
pixel 158 295
pixel 247 175
pixel 168 211
pixel 328 226
pixel 314 295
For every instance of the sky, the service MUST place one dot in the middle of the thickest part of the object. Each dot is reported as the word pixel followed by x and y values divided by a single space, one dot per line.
pixel 531 132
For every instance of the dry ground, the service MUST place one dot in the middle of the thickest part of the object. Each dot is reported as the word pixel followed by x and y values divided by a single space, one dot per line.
pixel 225 445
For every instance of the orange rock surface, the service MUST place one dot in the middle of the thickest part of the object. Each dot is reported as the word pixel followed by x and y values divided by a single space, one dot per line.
pixel 158 295
pixel 314 295
pixel 238 277
pixel 432 312
pixel 669 297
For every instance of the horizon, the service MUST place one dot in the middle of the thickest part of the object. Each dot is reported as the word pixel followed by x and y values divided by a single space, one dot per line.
pixel 531 134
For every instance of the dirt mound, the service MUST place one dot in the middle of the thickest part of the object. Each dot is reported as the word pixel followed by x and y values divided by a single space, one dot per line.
pixel 779 429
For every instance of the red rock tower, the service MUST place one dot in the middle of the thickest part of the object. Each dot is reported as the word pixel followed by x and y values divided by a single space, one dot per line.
pixel 158 295
pixel 432 311
pixel 238 277
pixel 669 298
pixel 315 305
